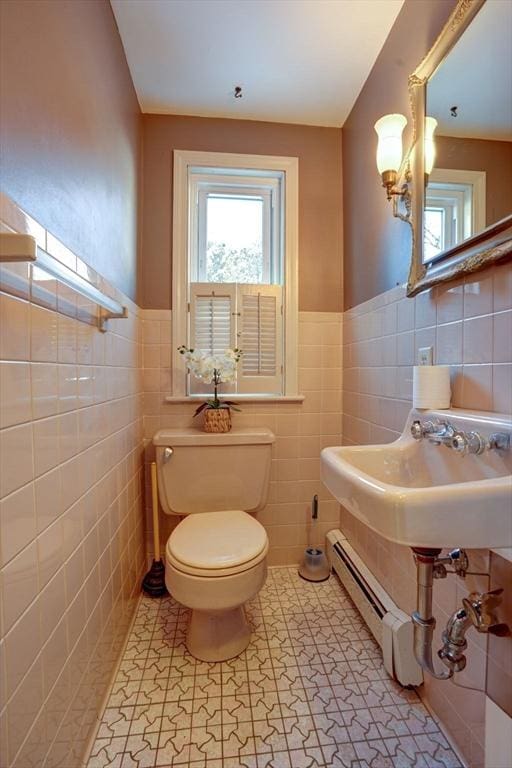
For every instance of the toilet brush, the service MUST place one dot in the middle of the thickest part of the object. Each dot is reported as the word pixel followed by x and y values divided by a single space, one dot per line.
pixel 314 566
pixel 153 583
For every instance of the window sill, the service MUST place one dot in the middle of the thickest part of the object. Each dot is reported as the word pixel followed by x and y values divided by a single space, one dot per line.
pixel 242 398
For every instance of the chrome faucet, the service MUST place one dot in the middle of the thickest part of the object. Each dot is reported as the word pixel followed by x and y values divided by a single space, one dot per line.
pixel 478 610
pixel 500 441
pixel 443 433
pixel 437 432
pixel 419 430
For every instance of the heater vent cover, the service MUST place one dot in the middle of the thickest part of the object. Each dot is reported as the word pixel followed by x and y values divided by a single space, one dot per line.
pixel 391 627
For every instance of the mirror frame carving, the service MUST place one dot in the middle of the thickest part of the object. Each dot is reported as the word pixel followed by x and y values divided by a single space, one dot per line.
pixel 481 250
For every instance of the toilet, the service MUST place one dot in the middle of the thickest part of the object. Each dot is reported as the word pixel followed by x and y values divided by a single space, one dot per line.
pixel 216 557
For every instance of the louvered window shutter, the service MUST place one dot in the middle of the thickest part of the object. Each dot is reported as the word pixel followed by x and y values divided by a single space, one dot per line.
pixel 212 324
pixel 260 338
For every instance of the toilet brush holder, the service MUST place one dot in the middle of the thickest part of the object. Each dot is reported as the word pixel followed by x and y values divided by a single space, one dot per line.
pixel 314 566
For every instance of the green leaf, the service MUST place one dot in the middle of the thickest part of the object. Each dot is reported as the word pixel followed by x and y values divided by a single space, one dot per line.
pixel 200 409
pixel 232 405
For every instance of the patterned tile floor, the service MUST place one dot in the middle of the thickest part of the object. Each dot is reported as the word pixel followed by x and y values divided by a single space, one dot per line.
pixel 309 691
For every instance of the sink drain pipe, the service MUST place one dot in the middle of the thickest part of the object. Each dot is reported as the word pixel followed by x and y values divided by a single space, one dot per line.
pixel 477 609
pixel 423 620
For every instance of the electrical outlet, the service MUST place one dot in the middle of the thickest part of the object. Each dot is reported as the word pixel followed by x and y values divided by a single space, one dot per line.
pixel 426 356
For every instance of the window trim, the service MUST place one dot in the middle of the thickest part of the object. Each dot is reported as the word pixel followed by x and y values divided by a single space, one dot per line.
pixel 456 206
pixel 271 227
pixel 477 181
pixel 289 166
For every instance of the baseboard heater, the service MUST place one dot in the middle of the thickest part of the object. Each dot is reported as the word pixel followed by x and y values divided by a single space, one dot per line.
pixel 391 627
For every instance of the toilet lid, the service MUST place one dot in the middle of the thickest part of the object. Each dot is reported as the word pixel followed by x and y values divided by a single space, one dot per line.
pixel 217 539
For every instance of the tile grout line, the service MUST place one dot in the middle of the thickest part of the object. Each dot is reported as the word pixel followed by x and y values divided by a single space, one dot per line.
pixel 294 605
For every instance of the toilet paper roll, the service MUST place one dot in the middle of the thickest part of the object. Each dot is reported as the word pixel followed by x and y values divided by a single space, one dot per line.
pixel 431 386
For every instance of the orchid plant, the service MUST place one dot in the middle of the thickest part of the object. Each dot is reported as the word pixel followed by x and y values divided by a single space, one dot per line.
pixel 213 369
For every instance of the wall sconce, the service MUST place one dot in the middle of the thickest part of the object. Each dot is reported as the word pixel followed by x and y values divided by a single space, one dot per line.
pixel 389 160
pixel 389 151
pixel 430 146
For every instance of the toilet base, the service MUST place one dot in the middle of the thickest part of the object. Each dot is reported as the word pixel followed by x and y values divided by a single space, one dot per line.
pixel 218 635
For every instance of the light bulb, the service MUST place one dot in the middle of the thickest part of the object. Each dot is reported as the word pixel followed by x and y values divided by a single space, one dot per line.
pixel 389 148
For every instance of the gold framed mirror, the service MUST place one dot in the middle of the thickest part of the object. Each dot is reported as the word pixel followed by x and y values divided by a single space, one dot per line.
pixel 461 215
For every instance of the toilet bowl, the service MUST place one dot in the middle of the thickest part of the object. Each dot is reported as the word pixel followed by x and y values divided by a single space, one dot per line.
pixel 216 557
pixel 216 562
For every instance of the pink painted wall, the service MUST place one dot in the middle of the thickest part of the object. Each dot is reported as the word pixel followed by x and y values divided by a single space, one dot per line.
pixel 493 157
pixel 320 204
pixel 69 124
pixel 377 247
pixel 71 521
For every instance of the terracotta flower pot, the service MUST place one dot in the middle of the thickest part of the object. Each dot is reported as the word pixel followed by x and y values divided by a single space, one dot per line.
pixel 217 420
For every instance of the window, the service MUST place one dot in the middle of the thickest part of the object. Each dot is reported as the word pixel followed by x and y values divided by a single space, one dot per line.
pixel 236 224
pixel 454 209
pixel 448 218
pixel 235 268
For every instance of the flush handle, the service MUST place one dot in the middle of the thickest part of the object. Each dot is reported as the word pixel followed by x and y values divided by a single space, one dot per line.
pixel 168 452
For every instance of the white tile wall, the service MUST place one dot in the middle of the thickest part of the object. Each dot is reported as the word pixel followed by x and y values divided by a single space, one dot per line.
pixel 77 413
pixel 469 324
pixel 301 429
pixel 71 520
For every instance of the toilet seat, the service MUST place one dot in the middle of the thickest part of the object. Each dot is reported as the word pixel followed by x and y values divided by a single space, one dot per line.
pixel 213 544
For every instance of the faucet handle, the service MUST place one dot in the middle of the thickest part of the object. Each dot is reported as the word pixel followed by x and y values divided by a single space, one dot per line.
pixel 468 442
pixel 459 442
pixel 476 443
pixel 419 430
pixel 481 609
pixel 500 441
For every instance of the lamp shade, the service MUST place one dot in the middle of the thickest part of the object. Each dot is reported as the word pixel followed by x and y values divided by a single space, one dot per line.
pixel 389 148
pixel 430 145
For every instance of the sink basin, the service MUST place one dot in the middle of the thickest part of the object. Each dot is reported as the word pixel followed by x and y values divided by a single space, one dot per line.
pixel 425 495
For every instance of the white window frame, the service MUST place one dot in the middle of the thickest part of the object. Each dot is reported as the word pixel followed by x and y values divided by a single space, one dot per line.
pixel 181 239
pixel 473 218
pixel 266 188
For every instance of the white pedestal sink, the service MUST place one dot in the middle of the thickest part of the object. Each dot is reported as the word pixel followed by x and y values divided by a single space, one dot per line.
pixel 417 493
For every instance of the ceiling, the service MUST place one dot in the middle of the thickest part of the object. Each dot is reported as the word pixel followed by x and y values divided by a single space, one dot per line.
pixel 298 61
pixel 476 77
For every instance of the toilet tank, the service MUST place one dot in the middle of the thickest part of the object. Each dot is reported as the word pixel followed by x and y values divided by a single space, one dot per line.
pixel 207 472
